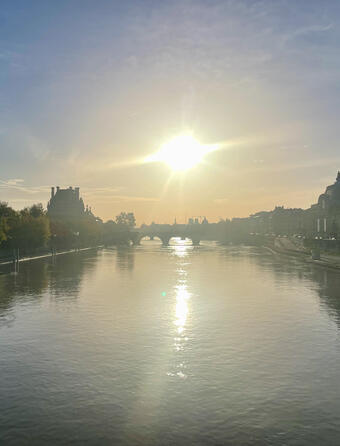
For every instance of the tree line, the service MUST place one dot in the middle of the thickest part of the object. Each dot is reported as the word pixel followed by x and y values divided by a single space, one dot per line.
pixel 31 229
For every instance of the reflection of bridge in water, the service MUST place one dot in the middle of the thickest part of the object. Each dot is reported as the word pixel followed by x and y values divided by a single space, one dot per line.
pixel 194 232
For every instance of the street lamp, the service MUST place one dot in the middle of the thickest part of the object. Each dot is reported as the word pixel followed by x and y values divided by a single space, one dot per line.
pixel 77 240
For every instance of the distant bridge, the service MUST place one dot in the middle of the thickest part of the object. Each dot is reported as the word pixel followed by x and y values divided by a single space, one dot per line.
pixel 194 232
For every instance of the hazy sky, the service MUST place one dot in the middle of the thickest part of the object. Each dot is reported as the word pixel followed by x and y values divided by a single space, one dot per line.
pixel 88 89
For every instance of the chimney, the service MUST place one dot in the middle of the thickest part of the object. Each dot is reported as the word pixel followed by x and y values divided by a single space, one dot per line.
pixel 52 192
pixel 58 188
pixel 77 192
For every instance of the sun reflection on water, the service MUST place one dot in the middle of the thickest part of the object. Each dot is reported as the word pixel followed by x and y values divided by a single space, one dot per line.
pixel 182 296
pixel 180 339
pixel 181 248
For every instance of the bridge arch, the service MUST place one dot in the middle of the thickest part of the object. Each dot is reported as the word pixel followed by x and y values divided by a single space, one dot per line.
pixel 165 237
pixel 150 237
pixel 138 237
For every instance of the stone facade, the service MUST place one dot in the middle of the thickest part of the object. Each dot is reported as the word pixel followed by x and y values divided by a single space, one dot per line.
pixel 331 198
pixel 325 215
pixel 321 220
pixel 66 203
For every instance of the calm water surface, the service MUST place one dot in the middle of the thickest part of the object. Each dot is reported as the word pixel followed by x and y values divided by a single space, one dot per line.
pixel 182 345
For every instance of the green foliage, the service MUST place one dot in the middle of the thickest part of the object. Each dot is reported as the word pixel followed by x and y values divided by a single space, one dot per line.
pixel 27 229
pixel 126 219
pixel 7 214
pixel 35 211
pixel 28 232
pixel 88 230
pixel 3 229
pixel 115 234
pixel 62 235
pixel 32 228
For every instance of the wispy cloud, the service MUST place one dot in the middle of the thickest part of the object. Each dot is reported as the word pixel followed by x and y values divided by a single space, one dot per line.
pixel 17 184
pixel 110 195
pixel 15 181
pixel 317 28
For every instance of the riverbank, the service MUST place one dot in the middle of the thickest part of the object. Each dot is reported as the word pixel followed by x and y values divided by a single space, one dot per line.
pixel 288 248
pixel 42 256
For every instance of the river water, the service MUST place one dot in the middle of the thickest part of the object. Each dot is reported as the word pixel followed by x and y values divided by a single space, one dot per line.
pixel 181 345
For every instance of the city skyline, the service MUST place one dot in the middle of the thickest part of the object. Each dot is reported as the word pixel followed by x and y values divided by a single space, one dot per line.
pixel 89 92
pixel 69 194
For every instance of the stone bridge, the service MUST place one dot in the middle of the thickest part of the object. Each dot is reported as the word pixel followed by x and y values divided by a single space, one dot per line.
pixel 195 234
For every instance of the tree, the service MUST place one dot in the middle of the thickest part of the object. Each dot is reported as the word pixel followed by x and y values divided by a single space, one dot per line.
pixel 37 210
pixel 27 229
pixel 5 210
pixel 28 232
pixel 3 229
pixel 126 219
pixel 7 215
pixel 88 231
pixel 61 235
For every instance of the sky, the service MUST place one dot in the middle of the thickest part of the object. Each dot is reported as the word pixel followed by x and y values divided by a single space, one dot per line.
pixel 89 89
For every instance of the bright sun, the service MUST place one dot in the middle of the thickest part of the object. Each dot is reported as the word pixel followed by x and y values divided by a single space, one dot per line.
pixel 181 152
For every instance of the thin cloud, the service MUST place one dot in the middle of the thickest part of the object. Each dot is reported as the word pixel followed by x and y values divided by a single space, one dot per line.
pixel 15 181
pixel 311 29
pixel 16 184
pixel 124 198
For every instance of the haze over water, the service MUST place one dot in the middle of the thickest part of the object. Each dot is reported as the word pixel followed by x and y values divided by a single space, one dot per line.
pixel 181 345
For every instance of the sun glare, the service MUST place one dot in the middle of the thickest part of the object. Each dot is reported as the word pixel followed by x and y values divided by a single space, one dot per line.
pixel 182 152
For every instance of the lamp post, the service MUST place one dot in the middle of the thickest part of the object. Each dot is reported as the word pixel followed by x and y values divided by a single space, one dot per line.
pixel 77 240
pixel 54 249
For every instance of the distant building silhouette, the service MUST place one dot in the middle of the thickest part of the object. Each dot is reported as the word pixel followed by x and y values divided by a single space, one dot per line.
pixel 325 214
pixel 66 203
pixel 321 220
pixel 331 197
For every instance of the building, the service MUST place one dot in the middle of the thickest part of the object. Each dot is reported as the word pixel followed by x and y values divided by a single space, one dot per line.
pixel 66 204
pixel 330 200
pixel 321 220
pixel 325 214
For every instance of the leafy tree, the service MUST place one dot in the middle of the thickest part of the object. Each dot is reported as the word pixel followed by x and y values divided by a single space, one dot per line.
pixel 3 229
pixel 126 219
pixel 5 210
pixel 109 228
pixel 36 210
pixel 28 232
pixel 7 215
pixel 88 231
pixel 115 233
pixel 61 235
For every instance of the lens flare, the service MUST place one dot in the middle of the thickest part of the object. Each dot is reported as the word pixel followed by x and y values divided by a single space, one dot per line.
pixel 182 152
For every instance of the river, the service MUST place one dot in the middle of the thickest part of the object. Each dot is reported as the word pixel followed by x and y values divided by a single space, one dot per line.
pixel 175 345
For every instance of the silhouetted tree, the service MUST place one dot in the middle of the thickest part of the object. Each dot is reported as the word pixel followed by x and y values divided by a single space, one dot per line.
pixel 36 210
pixel 7 216
pixel 5 210
pixel 28 232
pixel 3 230
pixel 126 219
pixel 61 235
